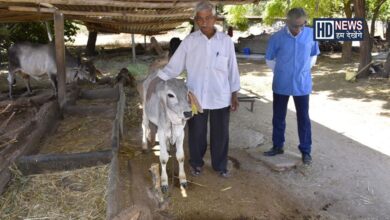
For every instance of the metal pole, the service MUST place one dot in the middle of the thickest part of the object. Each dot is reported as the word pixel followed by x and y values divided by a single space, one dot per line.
pixel 49 35
pixel 133 46
pixel 145 41
pixel 60 56
pixel 224 24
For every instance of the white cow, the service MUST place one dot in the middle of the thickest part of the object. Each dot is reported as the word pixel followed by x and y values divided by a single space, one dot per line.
pixel 36 60
pixel 168 109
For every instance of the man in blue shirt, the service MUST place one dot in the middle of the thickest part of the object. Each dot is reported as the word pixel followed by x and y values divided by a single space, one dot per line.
pixel 290 54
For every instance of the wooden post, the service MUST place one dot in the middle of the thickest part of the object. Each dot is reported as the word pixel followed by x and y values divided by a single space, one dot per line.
pixel 60 56
pixel 41 163
pixel 133 46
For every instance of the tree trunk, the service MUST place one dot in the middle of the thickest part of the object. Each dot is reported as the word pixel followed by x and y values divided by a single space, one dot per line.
pixel 375 15
pixel 347 52
pixel 365 45
pixel 387 65
pixel 347 45
pixel 388 31
pixel 91 45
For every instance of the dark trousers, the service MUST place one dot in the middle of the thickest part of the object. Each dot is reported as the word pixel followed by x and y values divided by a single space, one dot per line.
pixel 303 119
pixel 219 138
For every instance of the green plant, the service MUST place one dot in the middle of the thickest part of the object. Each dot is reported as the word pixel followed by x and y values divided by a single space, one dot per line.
pixel 236 17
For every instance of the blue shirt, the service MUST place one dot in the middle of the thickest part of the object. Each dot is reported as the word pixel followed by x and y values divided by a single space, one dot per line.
pixel 292 74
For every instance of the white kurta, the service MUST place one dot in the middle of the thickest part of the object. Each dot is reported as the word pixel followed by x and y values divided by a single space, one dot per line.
pixel 211 65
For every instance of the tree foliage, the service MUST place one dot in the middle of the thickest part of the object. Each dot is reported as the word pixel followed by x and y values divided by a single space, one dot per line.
pixel 273 10
pixel 384 13
pixel 33 32
pixel 320 8
pixel 277 9
pixel 236 15
pixel 255 9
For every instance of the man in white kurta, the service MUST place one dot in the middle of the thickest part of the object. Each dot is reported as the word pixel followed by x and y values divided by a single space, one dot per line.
pixel 209 58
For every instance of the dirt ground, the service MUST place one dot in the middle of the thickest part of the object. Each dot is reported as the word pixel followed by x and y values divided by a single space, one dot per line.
pixel 245 196
pixel 349 177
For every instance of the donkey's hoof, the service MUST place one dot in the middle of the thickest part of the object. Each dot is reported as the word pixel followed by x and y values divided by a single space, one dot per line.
pixel 164 188
pixel 184 185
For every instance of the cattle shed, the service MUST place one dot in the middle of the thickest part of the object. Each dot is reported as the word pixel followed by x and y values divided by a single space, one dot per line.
pixel 106 16
pixel 150 17
pixel 111 16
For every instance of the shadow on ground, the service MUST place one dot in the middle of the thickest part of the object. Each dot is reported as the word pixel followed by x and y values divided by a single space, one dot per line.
pixel 329 75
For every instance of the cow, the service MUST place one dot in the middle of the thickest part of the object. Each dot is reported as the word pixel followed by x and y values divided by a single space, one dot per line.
pixel 166 112
pixel 35 60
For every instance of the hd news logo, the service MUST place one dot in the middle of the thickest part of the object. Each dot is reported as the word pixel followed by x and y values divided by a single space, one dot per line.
pixel 338 29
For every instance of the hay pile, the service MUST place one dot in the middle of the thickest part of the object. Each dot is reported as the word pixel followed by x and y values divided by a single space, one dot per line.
pixel 78 194
pixel 79 134
pixel 133 115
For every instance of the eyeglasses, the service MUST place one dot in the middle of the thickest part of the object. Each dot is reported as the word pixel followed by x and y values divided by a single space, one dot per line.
pixel 298 26
pixel 204 19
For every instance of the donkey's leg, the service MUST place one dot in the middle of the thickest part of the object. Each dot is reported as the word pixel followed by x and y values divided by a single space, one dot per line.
pixel 164 156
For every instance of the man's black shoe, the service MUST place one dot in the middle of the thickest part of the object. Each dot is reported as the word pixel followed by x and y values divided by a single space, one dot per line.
pixel 225 174
pixel 273 152
pixel 196 171
pixel 306 159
